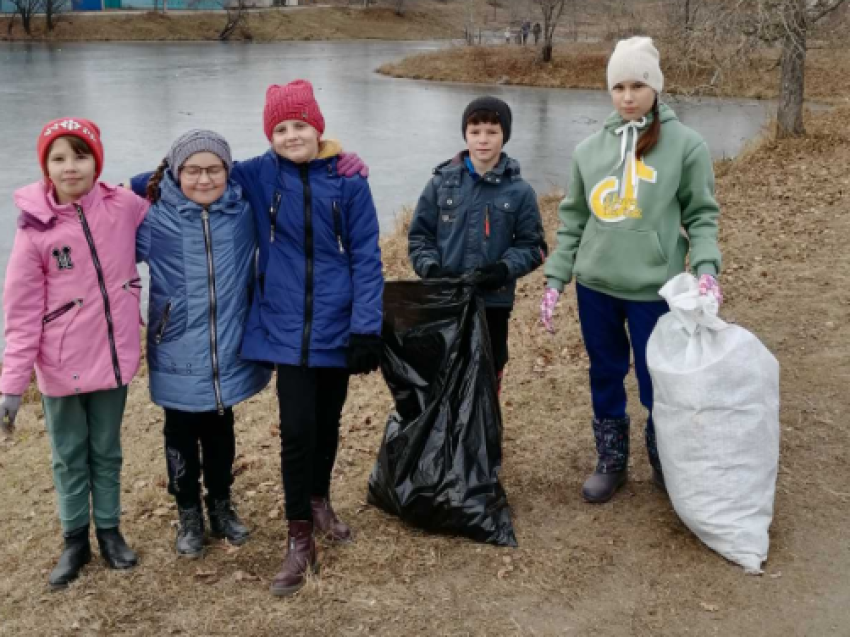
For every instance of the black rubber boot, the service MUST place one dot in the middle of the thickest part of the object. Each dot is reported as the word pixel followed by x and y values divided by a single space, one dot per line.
pixel 654 460
pixel 77 553
pixel 190 533
pixel 225 523
pixel 114 549
pixel 612 466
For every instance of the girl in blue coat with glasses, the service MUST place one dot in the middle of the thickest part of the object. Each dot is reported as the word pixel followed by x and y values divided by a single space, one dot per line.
pixel 200 243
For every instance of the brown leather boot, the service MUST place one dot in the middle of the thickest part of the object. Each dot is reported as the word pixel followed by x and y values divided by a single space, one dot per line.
pixel 300 558
pixel 327 524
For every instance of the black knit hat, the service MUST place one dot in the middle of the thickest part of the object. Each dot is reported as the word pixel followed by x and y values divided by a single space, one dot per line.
pixel 494 105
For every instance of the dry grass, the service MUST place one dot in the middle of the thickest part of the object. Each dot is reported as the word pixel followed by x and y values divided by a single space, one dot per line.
pixel 626 568
pixel 333 23
pixel 581 66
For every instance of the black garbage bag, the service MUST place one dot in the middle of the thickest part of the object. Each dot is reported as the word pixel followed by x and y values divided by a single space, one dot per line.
pixel 438 466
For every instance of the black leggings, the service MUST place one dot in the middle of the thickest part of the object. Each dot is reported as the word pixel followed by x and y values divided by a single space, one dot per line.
pixel 311 401
pixel 195 441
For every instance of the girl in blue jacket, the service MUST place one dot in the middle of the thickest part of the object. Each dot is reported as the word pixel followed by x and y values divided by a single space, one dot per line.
pixel 199 241
pixel 317 311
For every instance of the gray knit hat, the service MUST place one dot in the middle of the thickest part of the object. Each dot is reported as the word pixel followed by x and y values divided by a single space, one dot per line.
pixel 198 141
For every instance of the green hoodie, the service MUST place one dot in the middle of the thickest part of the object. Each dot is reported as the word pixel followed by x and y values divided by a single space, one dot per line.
pixel 624 223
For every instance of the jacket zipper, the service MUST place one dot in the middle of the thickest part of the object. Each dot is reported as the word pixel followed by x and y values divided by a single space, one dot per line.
pixel 338 226
pixel 162 325
pixel 308 256
pixel 205 218
pixel 273 214
pixel 110 331
pixel 55 314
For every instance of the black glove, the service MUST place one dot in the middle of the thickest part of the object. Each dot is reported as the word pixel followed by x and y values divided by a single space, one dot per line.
pixel 492 276
pixel 364 353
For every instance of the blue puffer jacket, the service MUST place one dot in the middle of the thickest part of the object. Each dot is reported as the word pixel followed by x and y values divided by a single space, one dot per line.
pixel 462 223
pixel 319 278
pixel 201 265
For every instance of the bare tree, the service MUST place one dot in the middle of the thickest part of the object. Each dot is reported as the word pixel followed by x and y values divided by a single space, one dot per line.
pixel 796 17
pixel 469 21
pixel 495 4
pixel 27 10
pixel 552 11
pixel 52 9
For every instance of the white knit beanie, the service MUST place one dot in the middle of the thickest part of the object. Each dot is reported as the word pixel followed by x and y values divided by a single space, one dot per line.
pixel 635 60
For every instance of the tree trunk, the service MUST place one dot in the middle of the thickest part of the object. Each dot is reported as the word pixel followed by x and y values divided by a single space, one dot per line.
pixel 26 22
pixel 547 51
pixel 789 116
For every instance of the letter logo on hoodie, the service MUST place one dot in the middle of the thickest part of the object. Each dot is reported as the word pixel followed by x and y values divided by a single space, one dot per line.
pixel 612 203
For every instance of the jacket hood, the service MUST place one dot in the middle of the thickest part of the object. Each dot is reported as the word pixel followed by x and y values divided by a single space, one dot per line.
pixel 231 202
pixel 39 208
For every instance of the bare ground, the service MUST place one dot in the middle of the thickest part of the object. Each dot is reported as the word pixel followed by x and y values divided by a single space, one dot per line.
pixel 626 568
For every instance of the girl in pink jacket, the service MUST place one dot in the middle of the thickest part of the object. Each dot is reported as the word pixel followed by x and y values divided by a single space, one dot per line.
pixel 71 302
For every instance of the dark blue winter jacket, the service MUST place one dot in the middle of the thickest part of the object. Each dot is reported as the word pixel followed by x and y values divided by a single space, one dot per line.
pixel 319 276
pixel 202 273
pixel 463 222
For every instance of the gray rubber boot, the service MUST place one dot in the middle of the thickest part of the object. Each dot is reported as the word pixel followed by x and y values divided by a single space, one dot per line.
pixel 612 466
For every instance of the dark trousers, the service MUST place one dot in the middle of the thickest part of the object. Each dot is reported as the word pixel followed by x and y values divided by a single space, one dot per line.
pixel 603 325
pixel 498 319
pixel 311 402
pixel 196 441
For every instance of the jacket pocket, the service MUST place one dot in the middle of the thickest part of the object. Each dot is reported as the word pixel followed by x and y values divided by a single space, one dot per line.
pixel 450 213
pixel 134 286
pixel 159 335
pixel 336 213
pixel 55 326
pixel 621 260
pixel 502 222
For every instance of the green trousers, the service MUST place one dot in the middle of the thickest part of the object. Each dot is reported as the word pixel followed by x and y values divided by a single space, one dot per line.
pixel 85 437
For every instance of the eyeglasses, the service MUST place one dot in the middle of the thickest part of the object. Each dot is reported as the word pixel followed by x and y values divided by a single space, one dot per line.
pixel 193 173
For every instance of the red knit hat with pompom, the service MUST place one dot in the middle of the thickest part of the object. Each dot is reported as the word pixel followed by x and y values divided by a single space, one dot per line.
pixel 292 101
pixel 71 127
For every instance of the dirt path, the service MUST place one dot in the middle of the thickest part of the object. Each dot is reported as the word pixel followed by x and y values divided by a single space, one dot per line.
pixel 626 568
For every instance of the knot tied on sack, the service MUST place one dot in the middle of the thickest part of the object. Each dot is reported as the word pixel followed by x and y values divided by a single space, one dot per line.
pixel 692 309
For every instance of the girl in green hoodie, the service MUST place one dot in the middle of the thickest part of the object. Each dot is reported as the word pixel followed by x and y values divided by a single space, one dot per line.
pixel 641 200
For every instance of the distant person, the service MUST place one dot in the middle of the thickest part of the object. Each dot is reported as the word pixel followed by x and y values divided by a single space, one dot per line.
pixel 507 35
pixel 526 29
pixel 72 311
pixel 199 241
pixel 641 201
pixel 478 216
pixel 536 30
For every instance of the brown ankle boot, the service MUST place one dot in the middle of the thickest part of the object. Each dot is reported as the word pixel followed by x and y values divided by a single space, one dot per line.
pixel 300 558
pixel 327 524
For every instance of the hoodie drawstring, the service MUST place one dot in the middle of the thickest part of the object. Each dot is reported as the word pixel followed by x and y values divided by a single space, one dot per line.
pixel 629 130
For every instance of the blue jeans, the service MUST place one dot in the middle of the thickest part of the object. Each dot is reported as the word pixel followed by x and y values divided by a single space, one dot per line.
pixel 603 325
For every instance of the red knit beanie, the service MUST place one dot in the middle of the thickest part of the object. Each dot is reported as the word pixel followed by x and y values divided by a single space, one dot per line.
pixel 71 127
pixel 293 101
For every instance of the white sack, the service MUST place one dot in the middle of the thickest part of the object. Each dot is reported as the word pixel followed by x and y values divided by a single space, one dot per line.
pixel 716 413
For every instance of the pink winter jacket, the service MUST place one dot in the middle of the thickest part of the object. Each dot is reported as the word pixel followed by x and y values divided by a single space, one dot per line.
pixel 71 300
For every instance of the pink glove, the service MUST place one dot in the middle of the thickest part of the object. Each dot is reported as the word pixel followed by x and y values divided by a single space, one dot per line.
pixel 350 164
pixel 709 285
pixel 547 308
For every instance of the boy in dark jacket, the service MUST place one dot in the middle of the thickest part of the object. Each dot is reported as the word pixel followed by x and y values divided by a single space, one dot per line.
pixel 478 216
